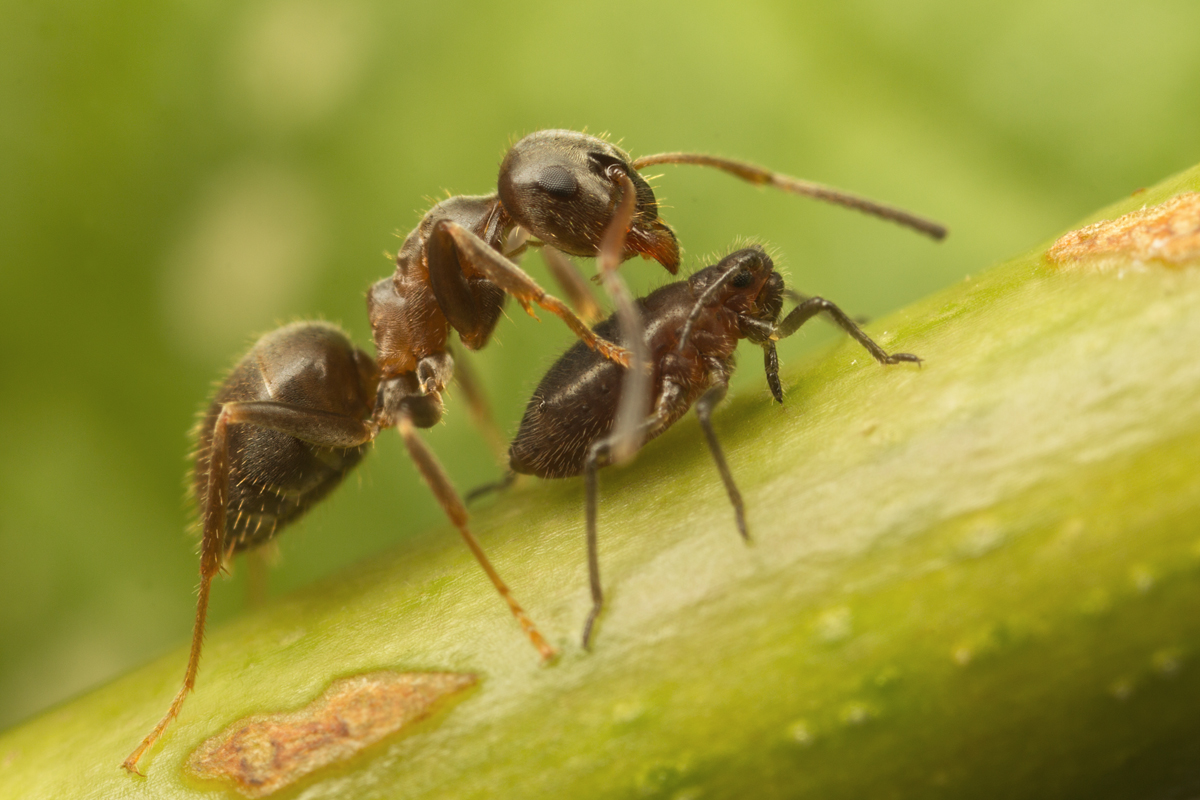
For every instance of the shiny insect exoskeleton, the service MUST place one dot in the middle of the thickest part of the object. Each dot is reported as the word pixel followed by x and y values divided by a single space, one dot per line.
pixel 692 329
pixel 296 414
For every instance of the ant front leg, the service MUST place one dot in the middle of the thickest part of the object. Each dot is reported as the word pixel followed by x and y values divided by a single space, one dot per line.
pixel 771 367
pixel 321 428
pixel 472 305
pixel 456 246
pixel 816 305
pixel 573 284
pixel 501 485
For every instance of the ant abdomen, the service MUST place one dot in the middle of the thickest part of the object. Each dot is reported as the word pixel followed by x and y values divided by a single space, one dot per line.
pixel 275 477
pixel 576 402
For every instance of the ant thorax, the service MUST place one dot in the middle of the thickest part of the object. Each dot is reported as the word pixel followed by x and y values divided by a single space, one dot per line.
pixel 482 215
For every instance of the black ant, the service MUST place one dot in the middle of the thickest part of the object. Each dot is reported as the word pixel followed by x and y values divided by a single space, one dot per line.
pixel 692 329
pixel 297 413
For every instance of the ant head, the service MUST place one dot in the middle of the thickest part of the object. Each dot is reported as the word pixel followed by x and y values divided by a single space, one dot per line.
pixel 745 282
pixel 564 186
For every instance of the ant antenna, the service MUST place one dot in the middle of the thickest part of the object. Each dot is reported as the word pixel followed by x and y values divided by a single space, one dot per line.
pixel 702 301
pixel 759 176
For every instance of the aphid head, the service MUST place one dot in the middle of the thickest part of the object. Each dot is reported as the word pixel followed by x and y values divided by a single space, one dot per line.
pixel 564 186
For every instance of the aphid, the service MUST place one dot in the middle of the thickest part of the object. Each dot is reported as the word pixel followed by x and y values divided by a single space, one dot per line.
pixel 296 414
pixel 692 329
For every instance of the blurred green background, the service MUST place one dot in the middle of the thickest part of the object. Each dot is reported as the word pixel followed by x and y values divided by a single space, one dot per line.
pixel 176 178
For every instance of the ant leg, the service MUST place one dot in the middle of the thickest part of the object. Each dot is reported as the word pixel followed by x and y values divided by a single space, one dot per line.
pixel 596 452
pixel 600 455
pixel 771 367
pixel 435 477
pixel 760 176
pixel 704 407
pixel 635 387
pixel 318 427
pixel 472 305
pixel 800 297
pixel 573 284
pixel 472 250
pixel 478 405
pixel 508 480
pixel 815 305
pixel 211 553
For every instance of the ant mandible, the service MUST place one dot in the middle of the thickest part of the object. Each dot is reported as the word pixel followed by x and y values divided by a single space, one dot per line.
pixel 693 328
pixel 297 413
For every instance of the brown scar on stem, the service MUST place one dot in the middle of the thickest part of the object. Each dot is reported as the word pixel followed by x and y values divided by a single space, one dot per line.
pixel 262 754
pixel 1168 233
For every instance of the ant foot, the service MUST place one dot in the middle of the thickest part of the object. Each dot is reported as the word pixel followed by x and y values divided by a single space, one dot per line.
pixel 896 358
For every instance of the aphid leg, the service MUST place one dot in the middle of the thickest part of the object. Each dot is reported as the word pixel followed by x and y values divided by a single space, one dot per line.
pixel 599 455
pixel 515 281
pixel 815 305
pixel 478 406
pixel 573 284
pixel 439 483
pixel 760 176
pixel 635 386
pixel 319 427
pixel 704 407
pixel 508 480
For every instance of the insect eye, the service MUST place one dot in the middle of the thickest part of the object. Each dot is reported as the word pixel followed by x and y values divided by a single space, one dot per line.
pixel 742 279
pixel 558 181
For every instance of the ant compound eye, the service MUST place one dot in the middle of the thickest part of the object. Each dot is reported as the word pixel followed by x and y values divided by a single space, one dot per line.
pixel 558 181
pixel 742 279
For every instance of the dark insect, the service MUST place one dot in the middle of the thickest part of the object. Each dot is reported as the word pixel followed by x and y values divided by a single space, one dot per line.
pixel 692 329
pixel 296 414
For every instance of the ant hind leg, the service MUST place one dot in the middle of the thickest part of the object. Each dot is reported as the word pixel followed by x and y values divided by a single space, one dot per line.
pixel 319 427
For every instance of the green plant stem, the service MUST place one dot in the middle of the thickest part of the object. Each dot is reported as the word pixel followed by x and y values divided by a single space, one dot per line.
pixel 975 578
